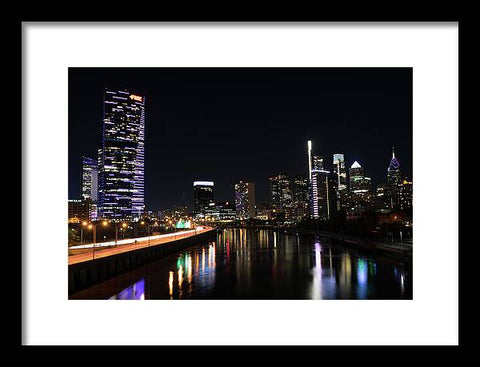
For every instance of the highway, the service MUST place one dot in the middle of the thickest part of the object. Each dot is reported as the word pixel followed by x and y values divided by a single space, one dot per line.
pixel 103 249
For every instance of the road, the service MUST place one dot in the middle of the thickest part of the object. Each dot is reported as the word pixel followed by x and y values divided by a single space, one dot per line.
pixel 81 255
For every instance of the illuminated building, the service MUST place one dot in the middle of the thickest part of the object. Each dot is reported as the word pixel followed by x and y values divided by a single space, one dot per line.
pixel 263 212
pixel 300 196
pixel 202 196
pixel 89 184
pixel 322 195
pixel 405 195
pixel 356 203
pixel 89 187
pixel 220 211
pixel 121 168
pixel 393 179
pixel 280 192
pixel 358 182
pixel 339 178
pixel 79 210
pixel 381 199
pixel 339 173
pixel 245 200
pixel 227 211
pixel 309 153
pixel 317 162
pixel 360 198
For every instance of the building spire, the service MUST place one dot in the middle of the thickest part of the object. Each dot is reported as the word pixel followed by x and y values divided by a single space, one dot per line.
pixel 394 163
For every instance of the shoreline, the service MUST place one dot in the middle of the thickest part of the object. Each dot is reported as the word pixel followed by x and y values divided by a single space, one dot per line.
pixel 399 252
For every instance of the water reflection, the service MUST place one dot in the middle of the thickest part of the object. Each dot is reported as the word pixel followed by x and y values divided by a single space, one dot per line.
pixel 361 278
pixel 316 292
pixel 170 283
pixel 134 291
pixel 266 264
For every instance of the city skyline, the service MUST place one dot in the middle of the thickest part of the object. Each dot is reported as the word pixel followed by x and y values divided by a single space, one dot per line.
pixel 225 159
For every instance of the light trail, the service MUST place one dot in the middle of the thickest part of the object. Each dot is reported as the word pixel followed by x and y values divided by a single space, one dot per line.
pixel 132 240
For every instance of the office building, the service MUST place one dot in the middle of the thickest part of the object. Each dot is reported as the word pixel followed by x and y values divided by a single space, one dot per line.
pixel 309 154
pixel 393 180
pixel 121 159
pixel 405 195
pixel 339 172
pixel 224 211
pixel 322 195
pixel 245 200
pixel 89 180
pixel 300 196
pixel 79 210
pixel 358 182
pixel 280 192
pixel 202 196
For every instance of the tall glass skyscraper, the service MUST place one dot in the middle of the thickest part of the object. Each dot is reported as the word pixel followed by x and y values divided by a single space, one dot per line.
pixel 322 199
pixel 340 174
pixel 89 187
pixel 322 191
pixel 393 179
pixel 280 191
pixel 121 192
pixel 245 200
pixel 358 182
pixel 202 196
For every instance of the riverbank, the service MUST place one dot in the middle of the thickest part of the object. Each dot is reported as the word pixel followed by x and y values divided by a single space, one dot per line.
pixel 401 252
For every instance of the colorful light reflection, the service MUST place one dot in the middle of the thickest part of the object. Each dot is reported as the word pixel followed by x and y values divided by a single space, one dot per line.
pixel 136 291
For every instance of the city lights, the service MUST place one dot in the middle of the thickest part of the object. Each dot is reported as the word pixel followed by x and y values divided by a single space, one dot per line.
pixel 198 211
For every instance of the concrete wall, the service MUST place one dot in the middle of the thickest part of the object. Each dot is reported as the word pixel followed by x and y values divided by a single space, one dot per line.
pixel 89 273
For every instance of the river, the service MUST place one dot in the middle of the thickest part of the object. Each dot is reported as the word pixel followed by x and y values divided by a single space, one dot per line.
pixel 261 264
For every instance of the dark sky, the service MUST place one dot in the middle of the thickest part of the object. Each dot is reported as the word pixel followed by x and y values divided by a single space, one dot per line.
pixel 231 124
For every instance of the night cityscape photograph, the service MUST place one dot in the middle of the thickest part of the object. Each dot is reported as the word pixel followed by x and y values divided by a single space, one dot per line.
pixel 240 183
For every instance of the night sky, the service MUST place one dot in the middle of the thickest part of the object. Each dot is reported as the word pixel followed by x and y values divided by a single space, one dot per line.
pixel 231 124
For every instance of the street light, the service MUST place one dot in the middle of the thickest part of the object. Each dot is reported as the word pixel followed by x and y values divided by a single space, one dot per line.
pixel 84 224
pixel 148 231
pixel 93 227
pixel 124 228
pixel 116 231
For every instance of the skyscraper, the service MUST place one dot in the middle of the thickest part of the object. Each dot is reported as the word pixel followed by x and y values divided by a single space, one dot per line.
pixel 393 179
pixel 121 157
pixel 300 196
pixel 202 196
pixel 405 195
pixel 280 192
pixel 89 187
pixel 317 163
pixel 358 182
pixel 322 200
pixel 340 175
pixel 309 153
pixel 321 188
pixel 300 190
pixel 245 200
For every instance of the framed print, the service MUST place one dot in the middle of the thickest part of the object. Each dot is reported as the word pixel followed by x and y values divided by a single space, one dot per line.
pixel 290 180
